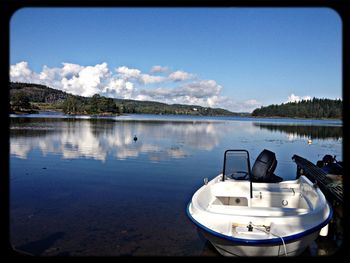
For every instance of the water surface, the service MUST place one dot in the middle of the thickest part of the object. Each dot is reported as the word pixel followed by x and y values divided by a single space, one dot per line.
pixel 84 186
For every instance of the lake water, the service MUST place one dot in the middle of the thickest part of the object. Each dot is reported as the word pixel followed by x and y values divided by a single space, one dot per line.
pixel 83 186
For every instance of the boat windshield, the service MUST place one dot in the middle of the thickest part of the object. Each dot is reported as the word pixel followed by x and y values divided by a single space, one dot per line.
pixel 236 165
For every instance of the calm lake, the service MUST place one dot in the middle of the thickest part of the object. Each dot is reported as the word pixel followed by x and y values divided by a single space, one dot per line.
pixel 83 186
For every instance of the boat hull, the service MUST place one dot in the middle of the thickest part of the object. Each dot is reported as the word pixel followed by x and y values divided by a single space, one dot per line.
pixel 231 248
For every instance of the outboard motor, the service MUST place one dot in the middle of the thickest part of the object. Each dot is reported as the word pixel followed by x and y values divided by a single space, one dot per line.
pixel 263 168
pixel 330 165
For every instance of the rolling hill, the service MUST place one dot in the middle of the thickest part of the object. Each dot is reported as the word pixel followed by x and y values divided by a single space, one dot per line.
pixel 41 97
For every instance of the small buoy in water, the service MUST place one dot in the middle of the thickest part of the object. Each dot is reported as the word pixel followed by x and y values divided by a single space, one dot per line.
pixel 309 141
pixel 135 138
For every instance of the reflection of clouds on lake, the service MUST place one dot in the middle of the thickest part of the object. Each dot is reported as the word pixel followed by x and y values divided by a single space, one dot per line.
pixel 81 142
pixel 97 140
pixel 176 152
pixel 128 150
pixel 202 136
pixel 21 148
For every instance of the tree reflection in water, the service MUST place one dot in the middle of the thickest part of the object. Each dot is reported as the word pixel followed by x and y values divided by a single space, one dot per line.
pixel 307 131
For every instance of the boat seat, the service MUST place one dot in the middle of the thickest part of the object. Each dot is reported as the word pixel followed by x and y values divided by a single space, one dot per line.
pixel 256 211
pixel 290 190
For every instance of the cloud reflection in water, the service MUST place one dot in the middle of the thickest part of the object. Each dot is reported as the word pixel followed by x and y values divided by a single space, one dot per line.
pixel 99 138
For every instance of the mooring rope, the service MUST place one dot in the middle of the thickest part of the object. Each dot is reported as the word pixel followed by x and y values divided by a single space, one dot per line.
pixel 269 232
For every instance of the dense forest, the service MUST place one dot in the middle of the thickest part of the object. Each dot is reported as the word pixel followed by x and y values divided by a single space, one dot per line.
pixel 315 108
pixel 37 92
pixel 26 97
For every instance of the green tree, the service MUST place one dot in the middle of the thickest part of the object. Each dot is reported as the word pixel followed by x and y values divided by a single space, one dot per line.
pixel 70 105
pixel 94 101
pixel 99 104
pixel 20 101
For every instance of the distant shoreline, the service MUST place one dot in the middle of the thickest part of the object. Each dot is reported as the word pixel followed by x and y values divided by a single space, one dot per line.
pixel 35 97
pixel 24 113
pixel 299 118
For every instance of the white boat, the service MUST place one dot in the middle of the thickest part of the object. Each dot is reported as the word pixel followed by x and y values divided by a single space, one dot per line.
pixel 259 215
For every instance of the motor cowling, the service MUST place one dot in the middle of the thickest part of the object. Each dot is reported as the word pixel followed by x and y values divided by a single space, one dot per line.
pixel 264 167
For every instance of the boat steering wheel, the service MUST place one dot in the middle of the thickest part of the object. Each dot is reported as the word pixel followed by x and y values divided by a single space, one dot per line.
pixel 239 175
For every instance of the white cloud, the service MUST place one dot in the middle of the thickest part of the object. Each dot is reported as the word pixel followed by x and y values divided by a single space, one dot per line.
pixel 204 93
pixel 159 69
pixel 239 106
pixel 50 76
pixel 89 81
pixel 49 73
pixel 119 88
pixel 69 70
pixel 149 79
pixel 135 74
pixel 295 98
pixel 20 70
pixel 180 76
pixel 130 74
pixel 249 105
pixel 21 73
pixel 131 83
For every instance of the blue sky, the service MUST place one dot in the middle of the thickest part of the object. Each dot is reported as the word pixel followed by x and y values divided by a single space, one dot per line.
pixel 234 58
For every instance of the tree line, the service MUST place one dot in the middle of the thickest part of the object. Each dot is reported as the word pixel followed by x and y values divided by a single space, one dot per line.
pixel 315 108
pixel 28 97
pixel 95 105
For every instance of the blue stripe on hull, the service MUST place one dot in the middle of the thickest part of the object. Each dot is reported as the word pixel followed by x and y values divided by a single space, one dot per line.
pixel 261 241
